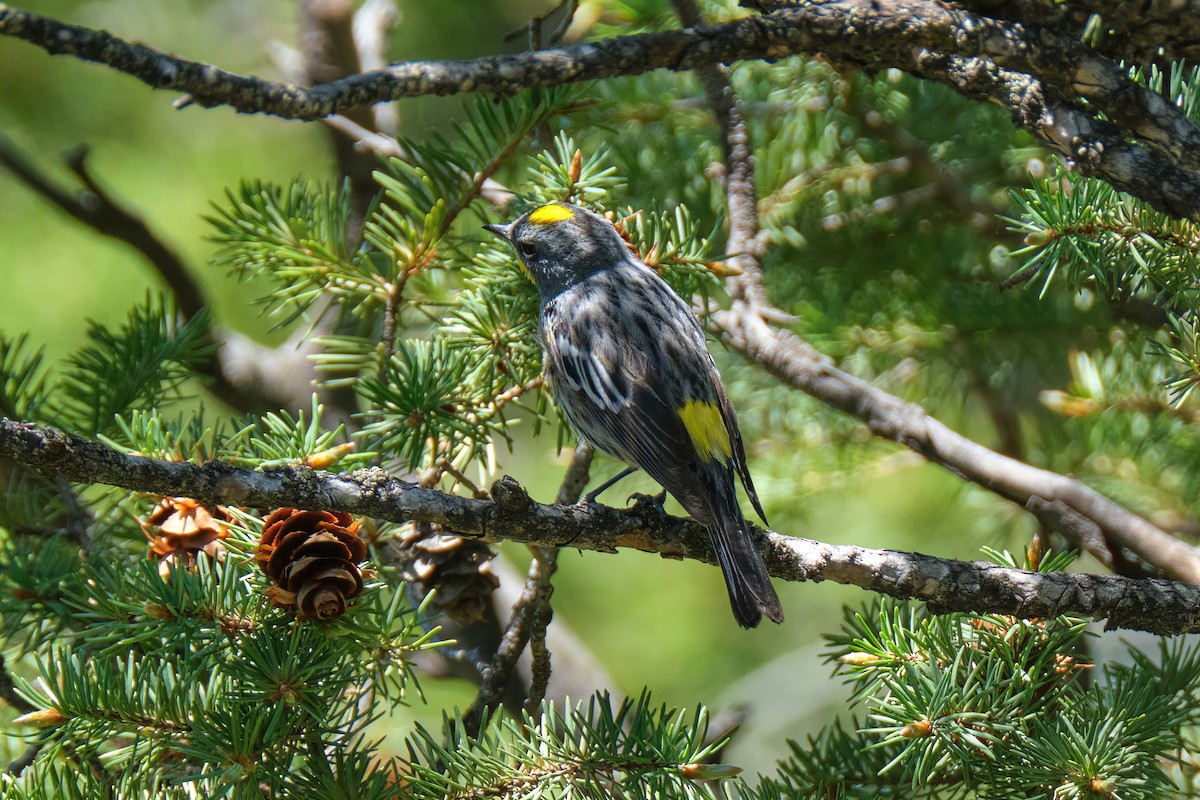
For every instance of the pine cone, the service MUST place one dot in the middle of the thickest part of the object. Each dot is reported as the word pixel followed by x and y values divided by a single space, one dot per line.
pixel 313 558
pixel 431 557
pixel 179 529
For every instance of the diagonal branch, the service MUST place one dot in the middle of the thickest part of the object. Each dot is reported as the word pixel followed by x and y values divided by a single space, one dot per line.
pixel 93 206
pixel 1050 496
pixel 1157 606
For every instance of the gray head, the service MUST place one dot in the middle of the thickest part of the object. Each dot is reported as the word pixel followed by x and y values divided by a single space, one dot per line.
pixel 560 245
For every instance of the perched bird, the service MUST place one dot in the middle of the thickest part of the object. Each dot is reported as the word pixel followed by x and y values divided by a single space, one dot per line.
pixel 627 362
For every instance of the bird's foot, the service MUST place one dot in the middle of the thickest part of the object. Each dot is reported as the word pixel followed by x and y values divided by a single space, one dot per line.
pixel 654 502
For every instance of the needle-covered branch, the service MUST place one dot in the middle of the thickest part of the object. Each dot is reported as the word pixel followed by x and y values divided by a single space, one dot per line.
pixel 1157 606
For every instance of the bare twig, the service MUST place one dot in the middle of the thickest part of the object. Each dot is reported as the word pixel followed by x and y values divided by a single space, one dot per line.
pixel 18 765
pixel 101 212
pixel 569 492
pixel 79 520
pixel 541 615
pixel 499 672
pixel 576 478
pixel 531 615
pixel 365 139
pixel 1152 605
pixel 445 466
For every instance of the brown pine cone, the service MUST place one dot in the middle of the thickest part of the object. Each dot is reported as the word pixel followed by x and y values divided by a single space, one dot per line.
pixel 313 558
pixel 179 529
pixel 433 558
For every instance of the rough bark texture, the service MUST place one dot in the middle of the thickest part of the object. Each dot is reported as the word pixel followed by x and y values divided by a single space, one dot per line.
pixel 1074 99
pixel 1157 606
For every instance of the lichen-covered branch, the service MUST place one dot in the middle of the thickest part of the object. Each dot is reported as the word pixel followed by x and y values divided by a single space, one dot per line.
pixel 1141 31
pixel 1157 606
pixel 1077 102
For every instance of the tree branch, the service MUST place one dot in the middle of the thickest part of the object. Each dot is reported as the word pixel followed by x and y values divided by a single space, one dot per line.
pixel 1036 74
pixel 798 364
pixel 97 209
pixel 232 371
pixel 9 693
pixel 1157 606
pixel 1144 31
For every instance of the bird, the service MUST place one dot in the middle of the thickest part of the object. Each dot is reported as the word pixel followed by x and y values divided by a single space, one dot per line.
pixel 627 361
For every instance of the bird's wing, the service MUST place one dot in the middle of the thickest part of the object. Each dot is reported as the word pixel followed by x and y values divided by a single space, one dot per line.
pixel 739 449
pixel 634 414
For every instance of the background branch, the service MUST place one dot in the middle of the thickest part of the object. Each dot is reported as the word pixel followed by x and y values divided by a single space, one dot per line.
pixel 93 206
pixel 1156 606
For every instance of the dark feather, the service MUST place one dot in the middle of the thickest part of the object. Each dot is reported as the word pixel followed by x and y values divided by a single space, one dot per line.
pixel 614 389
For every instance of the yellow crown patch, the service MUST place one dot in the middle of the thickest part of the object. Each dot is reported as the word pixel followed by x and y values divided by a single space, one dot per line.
pixel 551 213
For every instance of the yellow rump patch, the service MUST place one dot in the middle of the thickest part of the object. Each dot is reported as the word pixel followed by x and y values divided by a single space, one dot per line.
pixel 551 213
pixel 706 428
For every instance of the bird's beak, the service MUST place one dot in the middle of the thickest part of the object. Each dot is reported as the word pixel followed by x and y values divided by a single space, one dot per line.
pixel 503 231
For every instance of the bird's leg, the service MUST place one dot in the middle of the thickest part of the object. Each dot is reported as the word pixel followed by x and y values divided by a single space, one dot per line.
pixel 591 496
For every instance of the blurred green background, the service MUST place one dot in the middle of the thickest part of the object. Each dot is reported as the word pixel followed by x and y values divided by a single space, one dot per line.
pixel 651 622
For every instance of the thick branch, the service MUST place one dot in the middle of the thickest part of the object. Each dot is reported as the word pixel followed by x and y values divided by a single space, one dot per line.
pixel 942 29
pixel 1145 31
pixel 1037 75
pixel 1157 606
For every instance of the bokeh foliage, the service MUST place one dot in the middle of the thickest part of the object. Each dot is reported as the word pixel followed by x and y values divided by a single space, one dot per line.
pixel 879 195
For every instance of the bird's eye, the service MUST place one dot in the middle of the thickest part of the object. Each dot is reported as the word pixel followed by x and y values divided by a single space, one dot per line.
pixel 525 249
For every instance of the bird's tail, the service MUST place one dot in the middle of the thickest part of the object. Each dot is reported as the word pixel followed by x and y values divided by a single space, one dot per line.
pixel 750 590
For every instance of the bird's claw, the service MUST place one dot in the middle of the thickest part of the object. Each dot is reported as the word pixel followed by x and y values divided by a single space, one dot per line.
pixel 654 501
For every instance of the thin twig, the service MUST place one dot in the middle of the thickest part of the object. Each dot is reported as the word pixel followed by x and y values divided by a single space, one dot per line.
pixel 541 615
pixel 531 615
pixel 101 212
pixel 18 765
pixel 576 478
pixel 454 472
pixel 499 672
pixel 365 139
pixel 96 208
pixel 79 520
pixel 569 492
pixel 564 25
